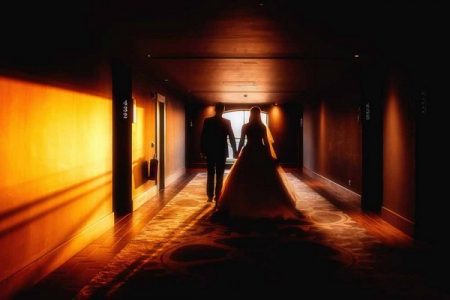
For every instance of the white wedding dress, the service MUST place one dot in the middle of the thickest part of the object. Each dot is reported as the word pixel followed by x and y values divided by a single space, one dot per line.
pixel 257 187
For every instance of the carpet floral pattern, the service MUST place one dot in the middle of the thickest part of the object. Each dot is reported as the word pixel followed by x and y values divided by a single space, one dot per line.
pixel 185 253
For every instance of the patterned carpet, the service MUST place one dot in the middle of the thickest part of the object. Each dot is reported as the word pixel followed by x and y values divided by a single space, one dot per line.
pixel 184 253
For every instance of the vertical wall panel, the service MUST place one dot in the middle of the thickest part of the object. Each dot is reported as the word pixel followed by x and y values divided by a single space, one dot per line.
pixel 399 154
pixel 332 138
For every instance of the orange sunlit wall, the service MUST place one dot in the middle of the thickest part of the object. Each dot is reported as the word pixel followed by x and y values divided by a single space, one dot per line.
pixel 399 155
pixel 55 175
pixel 176 142
pixel 143 130
pixel 332 138
pixel 144 138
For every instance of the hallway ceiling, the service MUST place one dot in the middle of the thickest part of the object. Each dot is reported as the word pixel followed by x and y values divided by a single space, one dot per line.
pixel 249 51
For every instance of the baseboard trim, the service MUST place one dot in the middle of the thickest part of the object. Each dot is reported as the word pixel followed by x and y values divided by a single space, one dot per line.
pixel 144 197
pixel 315 175
pixel 175 176
pixel 44 265
pixel 153 191
pixel 403 224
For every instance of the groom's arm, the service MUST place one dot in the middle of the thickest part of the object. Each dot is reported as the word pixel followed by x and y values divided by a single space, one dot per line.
pixel 242 140
pixel 232 139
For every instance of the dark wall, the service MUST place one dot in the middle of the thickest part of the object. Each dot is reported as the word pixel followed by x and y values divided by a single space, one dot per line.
pixel 432 149
pixel 284 123
pixel 332 138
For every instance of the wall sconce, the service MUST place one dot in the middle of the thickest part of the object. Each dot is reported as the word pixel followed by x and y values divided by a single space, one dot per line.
pixel 134 111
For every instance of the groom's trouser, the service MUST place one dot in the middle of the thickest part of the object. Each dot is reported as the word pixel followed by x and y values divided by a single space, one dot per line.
pixel 216 166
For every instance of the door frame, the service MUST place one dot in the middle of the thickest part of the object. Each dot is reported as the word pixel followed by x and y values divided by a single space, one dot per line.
pixel 370 116
pixel 161 139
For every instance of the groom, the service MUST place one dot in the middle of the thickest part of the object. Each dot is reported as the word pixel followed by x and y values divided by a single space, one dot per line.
pixel 215 147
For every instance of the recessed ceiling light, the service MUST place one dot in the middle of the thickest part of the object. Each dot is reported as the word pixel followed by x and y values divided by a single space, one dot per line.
pixel 166 80
pixel 261 4
pixel 356 55
pixel 149 55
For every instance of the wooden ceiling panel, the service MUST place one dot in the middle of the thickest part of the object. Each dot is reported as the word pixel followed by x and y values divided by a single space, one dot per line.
pixel 262 80
pixel 223 50
pixel 246 97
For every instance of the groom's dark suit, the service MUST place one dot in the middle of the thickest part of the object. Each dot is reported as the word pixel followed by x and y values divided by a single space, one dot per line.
pixel 215 147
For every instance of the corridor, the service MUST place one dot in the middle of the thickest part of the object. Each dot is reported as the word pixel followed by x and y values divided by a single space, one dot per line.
pixel 183 252
pixel 110 118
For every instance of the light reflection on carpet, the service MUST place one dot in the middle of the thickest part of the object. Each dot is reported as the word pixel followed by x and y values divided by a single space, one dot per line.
pixel 181 252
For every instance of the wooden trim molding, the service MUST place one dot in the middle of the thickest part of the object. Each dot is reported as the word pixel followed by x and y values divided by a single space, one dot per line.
pixel 144 197
pixel 398 221
pixel 44 265
pixel 347 194
pixel 153 191
pixel 175 176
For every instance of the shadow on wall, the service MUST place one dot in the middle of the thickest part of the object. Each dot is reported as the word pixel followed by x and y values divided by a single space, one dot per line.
pixel 140 172
pixel 44 213
pixel 55 179
pixel 19 282
pixel 49 203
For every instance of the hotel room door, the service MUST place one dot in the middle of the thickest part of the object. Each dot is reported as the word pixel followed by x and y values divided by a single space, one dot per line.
pixel 161 138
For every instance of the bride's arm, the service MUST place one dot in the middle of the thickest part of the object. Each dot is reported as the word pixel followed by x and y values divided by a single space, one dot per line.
pixel 265 139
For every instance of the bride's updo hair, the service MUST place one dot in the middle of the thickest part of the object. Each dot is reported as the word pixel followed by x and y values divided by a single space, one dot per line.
pixel 255 115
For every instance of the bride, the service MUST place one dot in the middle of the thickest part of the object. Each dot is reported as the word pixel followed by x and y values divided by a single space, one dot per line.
pixel 256 186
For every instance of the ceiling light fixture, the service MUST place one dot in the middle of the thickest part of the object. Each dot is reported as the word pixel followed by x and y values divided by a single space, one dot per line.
pixel 356 55
pixel 166 80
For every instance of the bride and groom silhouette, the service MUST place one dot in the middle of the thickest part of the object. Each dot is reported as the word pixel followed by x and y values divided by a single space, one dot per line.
pixel 256 187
